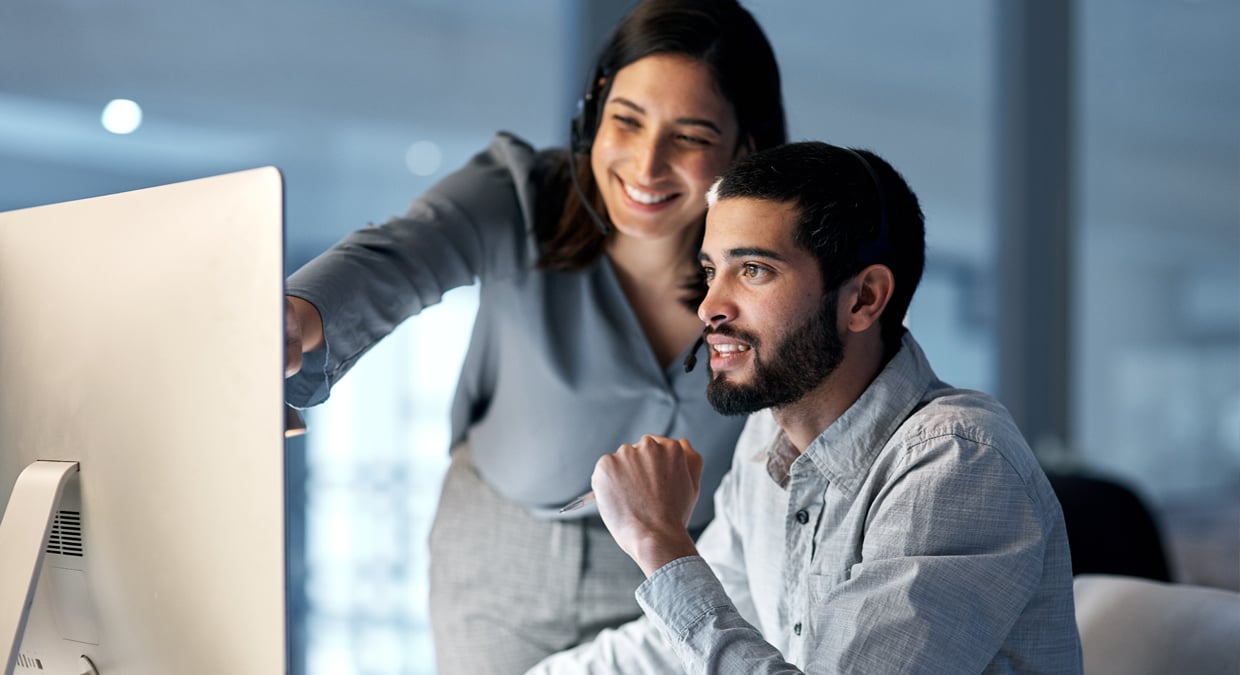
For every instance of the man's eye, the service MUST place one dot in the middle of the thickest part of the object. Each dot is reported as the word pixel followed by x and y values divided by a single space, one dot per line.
pixel 753 271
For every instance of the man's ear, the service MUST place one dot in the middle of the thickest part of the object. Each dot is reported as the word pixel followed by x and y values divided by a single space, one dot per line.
pixel 870 291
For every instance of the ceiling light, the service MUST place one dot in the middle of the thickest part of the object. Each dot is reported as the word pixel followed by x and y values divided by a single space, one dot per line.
pixel 423 158
pixel 121 116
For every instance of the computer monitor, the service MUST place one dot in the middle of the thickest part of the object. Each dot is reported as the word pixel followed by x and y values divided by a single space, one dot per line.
pixel 141 376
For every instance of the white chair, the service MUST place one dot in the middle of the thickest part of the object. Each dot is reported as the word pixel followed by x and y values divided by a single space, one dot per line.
pixel 1134 626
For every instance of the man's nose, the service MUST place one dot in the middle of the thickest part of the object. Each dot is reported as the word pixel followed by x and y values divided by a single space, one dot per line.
pixel 716 308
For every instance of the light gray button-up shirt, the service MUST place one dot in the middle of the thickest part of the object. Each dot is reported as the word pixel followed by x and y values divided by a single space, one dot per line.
pixel 917 533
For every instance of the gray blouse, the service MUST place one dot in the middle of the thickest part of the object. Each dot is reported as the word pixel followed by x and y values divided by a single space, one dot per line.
pixel 558 371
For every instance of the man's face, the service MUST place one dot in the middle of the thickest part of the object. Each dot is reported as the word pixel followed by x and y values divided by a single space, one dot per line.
pixel 772 335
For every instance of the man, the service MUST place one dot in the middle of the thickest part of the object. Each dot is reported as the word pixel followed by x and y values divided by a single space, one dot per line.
pixel 875 520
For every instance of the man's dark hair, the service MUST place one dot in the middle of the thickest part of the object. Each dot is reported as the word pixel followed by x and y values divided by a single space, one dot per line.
pixel 854 210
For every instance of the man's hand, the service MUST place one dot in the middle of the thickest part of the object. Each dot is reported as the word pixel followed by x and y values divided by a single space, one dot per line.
pixel 645 494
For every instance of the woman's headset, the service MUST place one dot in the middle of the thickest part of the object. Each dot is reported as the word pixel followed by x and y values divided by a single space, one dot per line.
pixel 585 122
pixel 581 138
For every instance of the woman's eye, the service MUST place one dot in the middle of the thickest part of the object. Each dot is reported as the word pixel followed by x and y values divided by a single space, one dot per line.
pixel 626 121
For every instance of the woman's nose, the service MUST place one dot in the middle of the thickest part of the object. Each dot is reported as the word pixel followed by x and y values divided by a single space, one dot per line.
pixel 652 159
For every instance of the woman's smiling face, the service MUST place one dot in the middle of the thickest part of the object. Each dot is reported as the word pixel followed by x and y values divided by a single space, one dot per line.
pixel 664 135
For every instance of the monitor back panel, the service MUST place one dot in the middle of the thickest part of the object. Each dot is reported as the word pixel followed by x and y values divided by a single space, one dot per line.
pixel 141 336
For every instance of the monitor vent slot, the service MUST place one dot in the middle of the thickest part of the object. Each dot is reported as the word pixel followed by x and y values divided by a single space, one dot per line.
pixel 28 662
pixel 66 535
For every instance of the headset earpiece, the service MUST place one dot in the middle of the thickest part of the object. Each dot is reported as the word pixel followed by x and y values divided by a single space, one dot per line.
pixel 581 138
pixel 581 131
pixel 585 123
pixel 877 250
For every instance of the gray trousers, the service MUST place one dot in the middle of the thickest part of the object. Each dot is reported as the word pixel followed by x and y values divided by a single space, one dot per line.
pixel 507 589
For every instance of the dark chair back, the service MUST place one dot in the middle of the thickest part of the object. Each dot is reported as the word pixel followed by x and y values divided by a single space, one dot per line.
pixel 1110 530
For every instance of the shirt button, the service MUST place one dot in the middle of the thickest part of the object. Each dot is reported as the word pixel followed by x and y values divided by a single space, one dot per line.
pixel 802 516
pixel 797 628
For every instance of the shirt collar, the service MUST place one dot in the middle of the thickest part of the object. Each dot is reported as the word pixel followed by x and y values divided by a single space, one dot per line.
pixel 846 449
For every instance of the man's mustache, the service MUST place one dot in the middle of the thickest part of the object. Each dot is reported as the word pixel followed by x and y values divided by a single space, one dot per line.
pixel 724 330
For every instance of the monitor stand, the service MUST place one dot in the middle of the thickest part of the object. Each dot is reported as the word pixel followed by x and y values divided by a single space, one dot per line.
pixel 23 531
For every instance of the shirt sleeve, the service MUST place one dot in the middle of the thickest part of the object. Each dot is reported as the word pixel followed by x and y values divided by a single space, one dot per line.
pixel 703 604
pixel 471 225
pixel 952 554
pixel 688 604
pixel 674 597
pixel 690 626
pixel 636 648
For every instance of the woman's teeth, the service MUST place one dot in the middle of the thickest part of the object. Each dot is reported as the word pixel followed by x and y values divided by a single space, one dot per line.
pixel 644 197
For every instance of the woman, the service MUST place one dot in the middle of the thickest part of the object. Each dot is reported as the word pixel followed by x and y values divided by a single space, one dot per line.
pixel 589 282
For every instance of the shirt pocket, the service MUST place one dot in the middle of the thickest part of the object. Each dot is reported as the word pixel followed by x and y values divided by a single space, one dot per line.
pixel 821 584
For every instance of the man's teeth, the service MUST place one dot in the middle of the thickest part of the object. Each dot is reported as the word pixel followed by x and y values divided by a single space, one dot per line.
pixel 645 197
pixel 729 348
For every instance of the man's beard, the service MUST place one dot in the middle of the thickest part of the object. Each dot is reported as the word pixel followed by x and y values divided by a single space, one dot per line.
pixel 802 359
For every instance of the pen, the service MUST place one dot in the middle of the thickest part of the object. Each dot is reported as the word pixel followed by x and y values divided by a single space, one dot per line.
pixel 578 502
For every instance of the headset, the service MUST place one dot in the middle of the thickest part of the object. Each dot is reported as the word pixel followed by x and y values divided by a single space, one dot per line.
pixel 581 138
pixel 879 249
pixel 584 124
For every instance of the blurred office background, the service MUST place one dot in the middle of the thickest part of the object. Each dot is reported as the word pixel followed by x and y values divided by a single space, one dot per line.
pixel 1078 163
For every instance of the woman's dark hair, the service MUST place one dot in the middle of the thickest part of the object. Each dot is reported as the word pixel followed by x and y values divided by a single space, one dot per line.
pixel 719 33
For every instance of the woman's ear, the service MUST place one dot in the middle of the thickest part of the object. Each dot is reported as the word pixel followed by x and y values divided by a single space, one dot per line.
pixel 871 291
